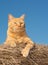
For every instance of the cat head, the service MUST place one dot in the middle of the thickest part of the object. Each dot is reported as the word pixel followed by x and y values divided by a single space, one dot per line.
pixel 16 24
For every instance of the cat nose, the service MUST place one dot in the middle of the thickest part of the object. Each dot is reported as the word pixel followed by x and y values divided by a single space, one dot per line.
pixel 20 24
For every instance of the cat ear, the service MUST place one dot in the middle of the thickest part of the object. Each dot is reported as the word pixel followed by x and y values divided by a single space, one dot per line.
pixel 22 17
pixel 10 17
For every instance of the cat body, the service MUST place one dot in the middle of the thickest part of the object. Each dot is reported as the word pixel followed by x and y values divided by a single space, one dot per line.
pixel 16 34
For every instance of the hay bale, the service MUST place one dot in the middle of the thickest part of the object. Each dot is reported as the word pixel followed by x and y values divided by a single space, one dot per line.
pixel 12 56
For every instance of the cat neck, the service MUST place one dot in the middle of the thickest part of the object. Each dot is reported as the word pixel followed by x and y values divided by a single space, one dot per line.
pixel 17 34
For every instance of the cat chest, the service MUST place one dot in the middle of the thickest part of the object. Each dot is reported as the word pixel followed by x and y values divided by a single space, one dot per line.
pixel 19 40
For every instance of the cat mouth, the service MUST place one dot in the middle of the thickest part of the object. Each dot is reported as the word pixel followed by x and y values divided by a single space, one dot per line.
pixel 19 29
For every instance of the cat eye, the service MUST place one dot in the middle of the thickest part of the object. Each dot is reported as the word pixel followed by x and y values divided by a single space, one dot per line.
pixel 21 22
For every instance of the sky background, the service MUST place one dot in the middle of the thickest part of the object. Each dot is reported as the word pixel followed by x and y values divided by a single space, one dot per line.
pixel 36 18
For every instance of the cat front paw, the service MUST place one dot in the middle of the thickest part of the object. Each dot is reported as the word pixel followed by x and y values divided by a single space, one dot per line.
pixel 24 53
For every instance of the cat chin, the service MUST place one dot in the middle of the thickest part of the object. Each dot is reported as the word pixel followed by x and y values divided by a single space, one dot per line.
pixel 19 30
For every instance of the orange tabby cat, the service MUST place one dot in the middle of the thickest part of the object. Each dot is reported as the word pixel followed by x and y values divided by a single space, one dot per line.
pixel 16 34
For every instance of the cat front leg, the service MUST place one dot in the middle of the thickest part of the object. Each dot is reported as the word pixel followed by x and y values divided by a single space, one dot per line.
pixel 13 44
pixel 25 51
pixel 10 43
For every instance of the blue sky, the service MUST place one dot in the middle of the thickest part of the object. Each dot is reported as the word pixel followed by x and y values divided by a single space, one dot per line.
pixel 36 19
